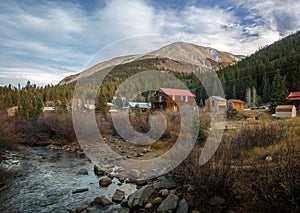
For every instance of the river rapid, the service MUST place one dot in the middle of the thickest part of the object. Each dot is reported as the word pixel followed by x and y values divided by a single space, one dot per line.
pixel 45 180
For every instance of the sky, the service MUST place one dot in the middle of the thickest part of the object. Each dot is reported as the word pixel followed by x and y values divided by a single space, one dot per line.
pixel 45 41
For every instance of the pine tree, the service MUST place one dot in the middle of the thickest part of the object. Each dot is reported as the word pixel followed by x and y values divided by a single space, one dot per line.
pixel 279 92
pixel 101 103
pixel 293 74
pixel 266 91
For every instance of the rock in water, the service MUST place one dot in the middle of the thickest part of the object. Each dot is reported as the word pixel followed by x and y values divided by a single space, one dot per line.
pixel 118 196
pixel 140 195
pixel 102 201
pixel 165 184
pixel 82 172
pixel 170 203
pixel 183 207
pixel 80 190
pixel 98 170
pixel 105 181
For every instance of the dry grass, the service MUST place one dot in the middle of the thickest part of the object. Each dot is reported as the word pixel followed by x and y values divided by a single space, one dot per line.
pixel 240 173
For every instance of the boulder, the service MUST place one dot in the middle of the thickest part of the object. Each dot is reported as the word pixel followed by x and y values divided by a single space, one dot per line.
pixel 170 203
pixel 139 196
pixel 164 192
pixel 148 206
pixel 157 200
pixel 98 170
pixel 134 173
pixel 102 201
pixel 183 206
pixel 82 172
pixel 105 181
pixel 118 196
pixel 165 184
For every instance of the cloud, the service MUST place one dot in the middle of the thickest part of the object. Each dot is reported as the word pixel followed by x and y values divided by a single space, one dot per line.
pixel 66 34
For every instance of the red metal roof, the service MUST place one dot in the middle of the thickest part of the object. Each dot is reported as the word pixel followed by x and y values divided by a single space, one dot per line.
pixel 237 101
pixel 182 92
pixel 294 96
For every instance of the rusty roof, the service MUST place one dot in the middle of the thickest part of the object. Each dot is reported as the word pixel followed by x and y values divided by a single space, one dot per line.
pixel 170 91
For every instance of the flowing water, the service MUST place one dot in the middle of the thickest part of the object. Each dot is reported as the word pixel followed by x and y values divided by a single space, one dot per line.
pixel 46 179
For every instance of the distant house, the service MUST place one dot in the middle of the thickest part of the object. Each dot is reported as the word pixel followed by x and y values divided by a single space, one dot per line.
pixel 142 105
pixel 90 107
pixel 48 109
pixel 285 111
pixel 294 97
pixel 171 99
pixel 216 104
pixel 235 104
pixel 112 108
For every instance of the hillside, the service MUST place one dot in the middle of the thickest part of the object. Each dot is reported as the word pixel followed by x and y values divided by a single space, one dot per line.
pixel 172 57
pixel 258 70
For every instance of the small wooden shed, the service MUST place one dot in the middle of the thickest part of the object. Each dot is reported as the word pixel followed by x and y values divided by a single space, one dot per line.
pixel 235 104
pixel 285 111
pixel 216 104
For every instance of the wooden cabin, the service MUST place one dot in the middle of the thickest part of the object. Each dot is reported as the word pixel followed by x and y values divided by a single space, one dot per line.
pixel 294 97
pixel 285 111
pixel 235 104
pixel 171 99
pixel 142 105
pixel 216 104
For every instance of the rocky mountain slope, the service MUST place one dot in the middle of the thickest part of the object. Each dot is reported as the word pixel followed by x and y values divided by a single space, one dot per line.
pixel 174 56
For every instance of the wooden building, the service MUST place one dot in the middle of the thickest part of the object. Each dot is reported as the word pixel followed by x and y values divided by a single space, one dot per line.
pixel 285 111
pixel 294 97
pixel 142 105
pixel 171 99
pixel 235 104
pixel 216 104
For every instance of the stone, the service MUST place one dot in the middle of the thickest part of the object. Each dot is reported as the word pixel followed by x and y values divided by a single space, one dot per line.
pixel 102 201
pixel 124 203
pixel 148 206
pixel 139 154
pixel 164 192
pixel 216 201
pixel 139 196
pixel 134 173
pixel 140 182
pixel 165 184
pixel 157 200
pixel 118 196
pixel 269 158
pixel 82 172
pixel 98 170
pixel 142 211
pixel 105 181
pixel 80 190
pixel 79 210
pixel 170 203
pixel 183 206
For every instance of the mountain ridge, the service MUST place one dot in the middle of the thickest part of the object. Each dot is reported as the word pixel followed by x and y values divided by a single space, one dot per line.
pixel 180 52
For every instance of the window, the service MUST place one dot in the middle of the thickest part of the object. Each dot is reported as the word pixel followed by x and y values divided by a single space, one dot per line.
pixel 173 97
pixel 181 98
pixel 186 98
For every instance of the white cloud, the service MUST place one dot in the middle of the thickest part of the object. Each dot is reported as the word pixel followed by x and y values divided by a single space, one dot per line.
pixel 63 34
